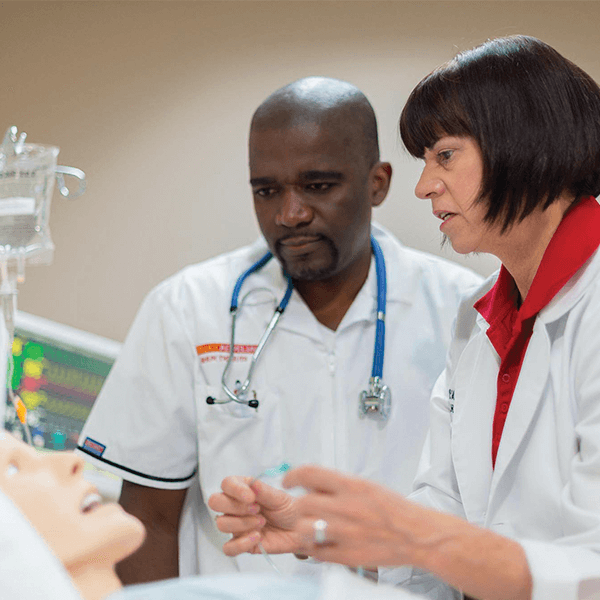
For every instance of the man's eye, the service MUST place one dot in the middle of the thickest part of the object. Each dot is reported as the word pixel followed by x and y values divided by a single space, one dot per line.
pixel 320 187
pixel 264 192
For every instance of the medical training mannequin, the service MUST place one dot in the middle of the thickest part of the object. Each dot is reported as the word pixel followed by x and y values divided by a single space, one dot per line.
pixel 28 568
pixel 507 500
pixel 88 538
pixel 48 489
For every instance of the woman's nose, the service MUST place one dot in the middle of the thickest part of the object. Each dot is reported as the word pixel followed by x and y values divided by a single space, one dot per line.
pixel 293 211
pixel 428 186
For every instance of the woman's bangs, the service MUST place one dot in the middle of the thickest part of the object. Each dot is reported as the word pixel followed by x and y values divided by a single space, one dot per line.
pixel 431 112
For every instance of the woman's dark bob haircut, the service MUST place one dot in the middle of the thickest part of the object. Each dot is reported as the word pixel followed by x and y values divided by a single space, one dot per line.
pixel 534 114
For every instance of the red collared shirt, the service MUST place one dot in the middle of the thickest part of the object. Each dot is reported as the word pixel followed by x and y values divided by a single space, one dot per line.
pixel 574 241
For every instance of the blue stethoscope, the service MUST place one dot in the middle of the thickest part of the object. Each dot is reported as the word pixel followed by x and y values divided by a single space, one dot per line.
pixel 375 402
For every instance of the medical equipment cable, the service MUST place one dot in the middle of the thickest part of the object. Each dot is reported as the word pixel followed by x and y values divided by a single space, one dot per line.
pixel 12 270
pixel 273 472
pixel 8 311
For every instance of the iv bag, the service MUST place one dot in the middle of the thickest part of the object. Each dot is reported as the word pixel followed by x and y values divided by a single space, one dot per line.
pixel 27 175
pixel 26 186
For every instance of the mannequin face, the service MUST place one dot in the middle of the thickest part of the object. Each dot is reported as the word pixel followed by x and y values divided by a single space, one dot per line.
pixel 50 491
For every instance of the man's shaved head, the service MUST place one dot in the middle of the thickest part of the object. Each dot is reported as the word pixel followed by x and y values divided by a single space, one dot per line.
pixel 329 103
pixel 316 176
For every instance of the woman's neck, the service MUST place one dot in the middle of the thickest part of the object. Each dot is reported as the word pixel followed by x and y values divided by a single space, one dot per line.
pixel 522 248
pixel 95 582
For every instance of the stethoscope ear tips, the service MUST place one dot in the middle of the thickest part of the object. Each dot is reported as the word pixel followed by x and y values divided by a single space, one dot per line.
pixel 210 400
pixel 253 403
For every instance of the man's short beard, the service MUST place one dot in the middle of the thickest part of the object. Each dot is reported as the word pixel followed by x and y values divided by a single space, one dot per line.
pixel 304 272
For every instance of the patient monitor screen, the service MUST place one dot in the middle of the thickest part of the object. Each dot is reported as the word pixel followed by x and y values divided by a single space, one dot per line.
pixel 58 373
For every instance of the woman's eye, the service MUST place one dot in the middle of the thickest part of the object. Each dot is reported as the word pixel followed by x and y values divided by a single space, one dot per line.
pixel 445 155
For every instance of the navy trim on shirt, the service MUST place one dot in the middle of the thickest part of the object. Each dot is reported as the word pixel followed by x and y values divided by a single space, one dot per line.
pixel 152 477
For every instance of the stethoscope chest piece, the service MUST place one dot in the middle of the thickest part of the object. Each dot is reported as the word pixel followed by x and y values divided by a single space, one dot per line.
pixel 377 402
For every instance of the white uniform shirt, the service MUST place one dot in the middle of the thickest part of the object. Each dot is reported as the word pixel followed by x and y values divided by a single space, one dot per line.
pixel 545 488
pixel 151 423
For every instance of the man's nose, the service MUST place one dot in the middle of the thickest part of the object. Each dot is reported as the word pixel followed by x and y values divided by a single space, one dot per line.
pixel 429 186
pixel 294 209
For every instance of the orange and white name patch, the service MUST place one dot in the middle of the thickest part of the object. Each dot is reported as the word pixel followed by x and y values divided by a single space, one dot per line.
pixel 220 352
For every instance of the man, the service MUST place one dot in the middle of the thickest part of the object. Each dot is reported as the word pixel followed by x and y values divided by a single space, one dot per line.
pixel 160 421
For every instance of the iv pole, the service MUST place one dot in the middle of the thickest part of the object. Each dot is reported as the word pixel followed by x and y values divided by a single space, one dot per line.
pixel 17 200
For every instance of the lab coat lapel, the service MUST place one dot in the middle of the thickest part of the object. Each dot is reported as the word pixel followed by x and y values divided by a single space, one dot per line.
pixel 526 399
pixel 471 423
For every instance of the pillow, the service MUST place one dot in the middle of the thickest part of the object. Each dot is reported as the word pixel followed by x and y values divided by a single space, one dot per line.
pixel 28 569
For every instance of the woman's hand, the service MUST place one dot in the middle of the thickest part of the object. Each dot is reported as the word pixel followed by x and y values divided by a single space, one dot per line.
pixel 367 524
pixel 255 512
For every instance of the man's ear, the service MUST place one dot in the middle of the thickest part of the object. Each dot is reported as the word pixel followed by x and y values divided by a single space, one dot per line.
pixel 381 177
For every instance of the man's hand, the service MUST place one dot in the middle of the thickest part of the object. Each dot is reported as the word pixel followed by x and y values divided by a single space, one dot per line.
pixel 255 512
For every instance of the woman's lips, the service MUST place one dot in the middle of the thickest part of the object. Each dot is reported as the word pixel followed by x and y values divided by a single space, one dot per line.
pixel 445 216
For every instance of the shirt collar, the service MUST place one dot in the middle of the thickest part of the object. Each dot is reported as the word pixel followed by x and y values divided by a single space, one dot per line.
pixel 573 243
pixel 402 283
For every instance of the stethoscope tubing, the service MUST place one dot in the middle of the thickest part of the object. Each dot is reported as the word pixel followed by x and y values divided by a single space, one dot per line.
pixel 379 347
pixel 240 393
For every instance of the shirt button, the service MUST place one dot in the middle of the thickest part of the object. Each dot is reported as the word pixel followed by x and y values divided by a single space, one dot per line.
pixel 506 377
pixel 504 407
pixel 331 364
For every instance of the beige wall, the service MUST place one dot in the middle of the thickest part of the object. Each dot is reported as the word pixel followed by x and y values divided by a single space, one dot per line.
pixel 153 101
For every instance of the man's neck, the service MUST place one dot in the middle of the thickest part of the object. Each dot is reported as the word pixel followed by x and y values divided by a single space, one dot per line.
pixel 330 299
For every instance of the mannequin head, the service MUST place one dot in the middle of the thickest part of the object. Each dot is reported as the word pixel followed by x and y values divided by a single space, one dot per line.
pixel 89 538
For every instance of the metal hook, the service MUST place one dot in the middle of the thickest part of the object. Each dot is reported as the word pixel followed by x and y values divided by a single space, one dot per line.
pixel 61 170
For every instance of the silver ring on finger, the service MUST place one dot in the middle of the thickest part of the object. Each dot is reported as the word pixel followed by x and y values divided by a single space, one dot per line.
pixel 320 531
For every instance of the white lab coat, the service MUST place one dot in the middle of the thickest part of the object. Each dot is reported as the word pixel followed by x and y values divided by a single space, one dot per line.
pixel 545 488
pixel 157 429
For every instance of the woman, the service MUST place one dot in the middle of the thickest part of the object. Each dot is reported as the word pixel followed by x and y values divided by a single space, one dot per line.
pixel 507 500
